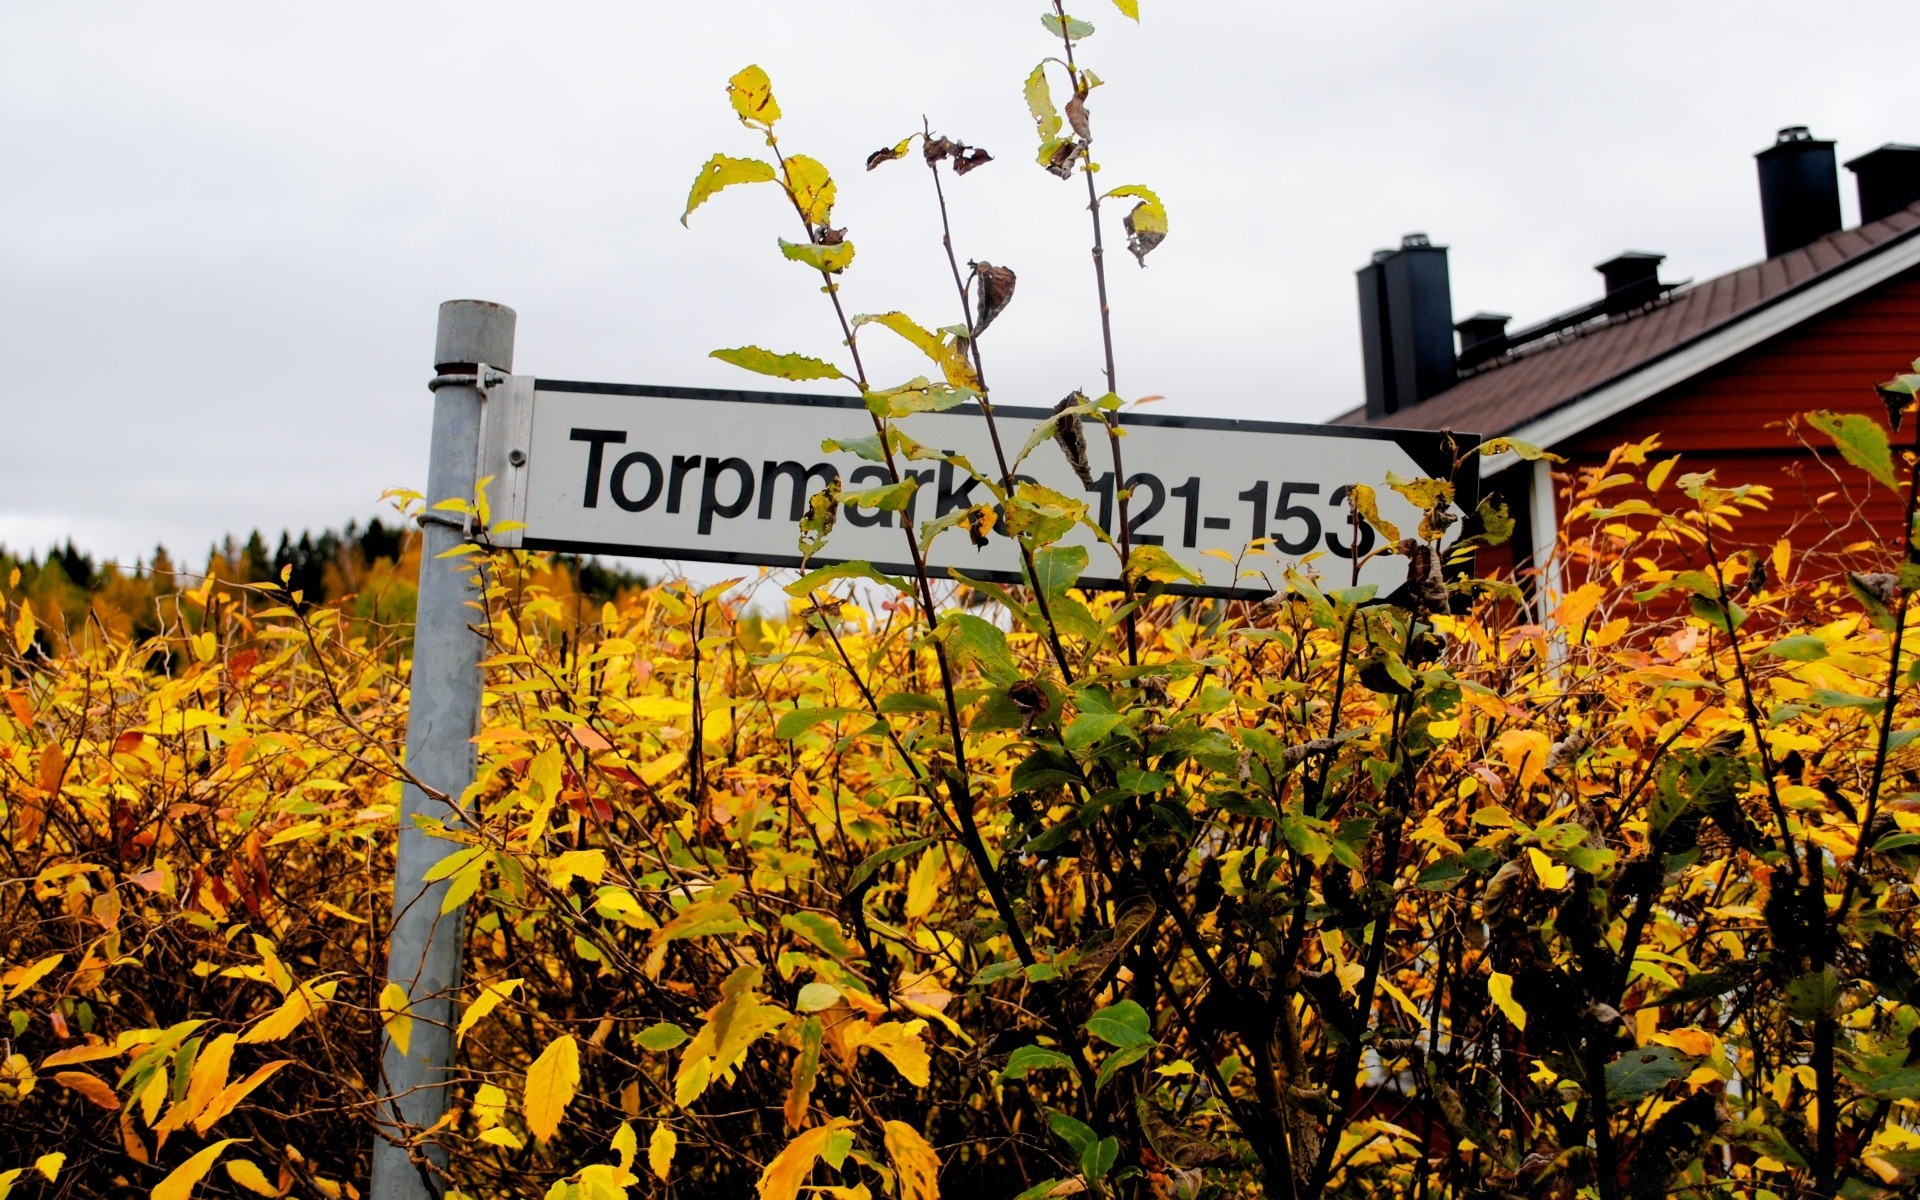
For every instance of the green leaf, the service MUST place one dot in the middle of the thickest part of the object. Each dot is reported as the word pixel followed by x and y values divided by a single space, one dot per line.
pixel 1077 1134
pixel 1071 29
pixel 910 702
pixel 869 448
pixel 1154 563
pixel 1900 1084
pixel 822 930
pixel 1097 1159
pixel 916 396
pixel 1496 523
pixel 1799 648
pixel 1043 1190
pixel 1033 1058
pixel 1811 995
pixel 831 259
pixel 1088 728
pixel 805 585
pixel 722 171
pixel 973 641
pixel 1441 876
pixel 1829 698
pixel 994 973
pixel 888 497
pixel 1724 615
pixel 1042 514
pixel 1640 1072
pixel 797 367
pixel 1118 1061
pixel 1121 1025
pixel 1861 441
pixel 662 1036
pixel 797 721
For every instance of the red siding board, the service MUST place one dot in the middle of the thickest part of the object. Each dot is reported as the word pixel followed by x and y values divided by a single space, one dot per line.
pixel 1732 419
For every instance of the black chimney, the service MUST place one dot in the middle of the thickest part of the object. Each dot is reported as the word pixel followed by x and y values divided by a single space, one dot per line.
pixel 1799 190
pixel 1633 279
pixel 1406 325
pixel 1483 336
pixel 1889 180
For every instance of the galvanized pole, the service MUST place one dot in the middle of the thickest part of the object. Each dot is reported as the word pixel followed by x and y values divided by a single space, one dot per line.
pixel 423 954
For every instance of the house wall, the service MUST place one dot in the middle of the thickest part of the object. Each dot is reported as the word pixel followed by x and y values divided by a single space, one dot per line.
pixel 1732 420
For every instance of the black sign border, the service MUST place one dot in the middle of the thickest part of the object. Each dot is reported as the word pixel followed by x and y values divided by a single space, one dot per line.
pixel 1427 448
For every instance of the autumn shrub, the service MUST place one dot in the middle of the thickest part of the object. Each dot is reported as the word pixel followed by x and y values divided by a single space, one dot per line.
pixel 1598 882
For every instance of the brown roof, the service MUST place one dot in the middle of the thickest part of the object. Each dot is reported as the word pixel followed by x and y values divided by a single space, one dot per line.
pixel 1536 379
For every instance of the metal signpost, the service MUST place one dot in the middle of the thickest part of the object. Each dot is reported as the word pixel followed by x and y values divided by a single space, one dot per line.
pixel 724 476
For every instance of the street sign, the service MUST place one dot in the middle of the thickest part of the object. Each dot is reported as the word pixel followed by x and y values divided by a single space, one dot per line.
pixel 724 476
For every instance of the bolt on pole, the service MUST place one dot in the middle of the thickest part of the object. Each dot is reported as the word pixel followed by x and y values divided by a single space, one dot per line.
pixel 423 954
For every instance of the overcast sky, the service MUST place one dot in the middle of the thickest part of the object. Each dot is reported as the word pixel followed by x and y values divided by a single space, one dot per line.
pixel 225 227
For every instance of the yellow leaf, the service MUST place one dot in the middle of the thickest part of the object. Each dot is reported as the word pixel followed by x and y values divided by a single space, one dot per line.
pixel 489 998
pixel 210 1069
pixel 231 1095
pixel 662 767
pixel 563 869
pixel 918 1166
pixel 790 1168
pixel 1660 471
pixel 19 979
pixel 500 1135
pixel 49 1164
pixel 923 885
pixel 551 1082
pixel 394 1015
pixel 153 1095
pixel 1500 987
pixel 179 1184
pixel 250 1177
pixel 209 1077
pixel 624 1145
pixel 91 1086
pixel 899 1042
pixel 92 1052
pixel 303 1002
pixel 489 1104
pixel 660 1149
pixel 1553 875
pixel 751 93
pixel 811 187
pixel 723 171
pixel 23 629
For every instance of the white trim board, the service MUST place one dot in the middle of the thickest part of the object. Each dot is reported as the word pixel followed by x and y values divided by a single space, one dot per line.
pixel 1714 347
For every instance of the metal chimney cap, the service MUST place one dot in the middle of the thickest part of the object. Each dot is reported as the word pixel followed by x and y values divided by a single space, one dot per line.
pixel 1415 241
pixel 1793 140
pixel 1483 320
pixel 1631 258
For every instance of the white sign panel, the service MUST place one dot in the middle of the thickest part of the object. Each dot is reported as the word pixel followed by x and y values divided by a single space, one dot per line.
pixel 688 473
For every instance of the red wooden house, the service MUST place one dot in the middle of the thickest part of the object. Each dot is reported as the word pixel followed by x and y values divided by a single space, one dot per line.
pixel 1715 368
